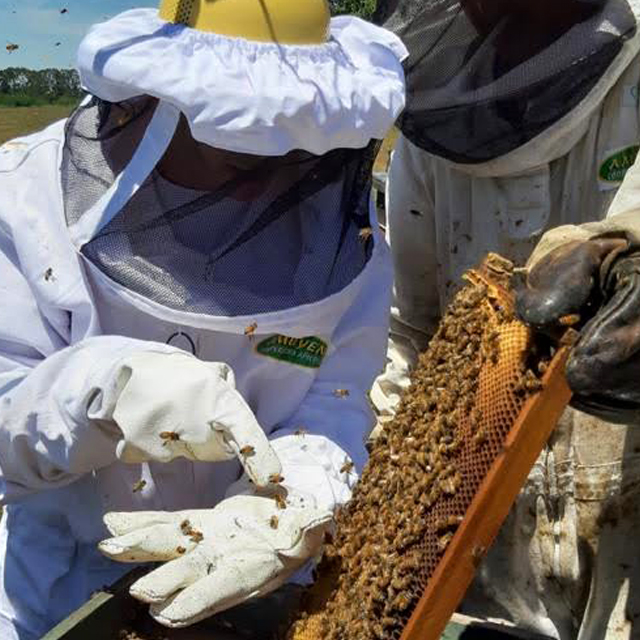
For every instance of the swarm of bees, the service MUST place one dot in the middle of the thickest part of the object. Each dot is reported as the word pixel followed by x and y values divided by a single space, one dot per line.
pixel 412 496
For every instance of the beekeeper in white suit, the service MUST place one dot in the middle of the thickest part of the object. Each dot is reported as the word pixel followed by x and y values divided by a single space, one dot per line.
pixel 523 117
pixel 189 288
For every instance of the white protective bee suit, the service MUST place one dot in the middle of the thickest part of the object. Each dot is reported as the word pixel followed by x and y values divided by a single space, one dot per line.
pixel 133 307
pixel 464 181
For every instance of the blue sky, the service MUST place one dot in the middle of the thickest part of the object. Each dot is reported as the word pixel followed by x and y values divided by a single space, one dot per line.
pixel 37 25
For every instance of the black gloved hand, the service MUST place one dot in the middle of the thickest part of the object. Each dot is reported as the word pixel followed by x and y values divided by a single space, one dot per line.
pixel 599 281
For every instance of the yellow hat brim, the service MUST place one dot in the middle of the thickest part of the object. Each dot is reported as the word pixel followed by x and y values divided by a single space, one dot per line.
pixel 280 21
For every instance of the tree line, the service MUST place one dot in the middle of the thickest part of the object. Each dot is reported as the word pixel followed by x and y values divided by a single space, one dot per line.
pixel 28 87
pixel 363 8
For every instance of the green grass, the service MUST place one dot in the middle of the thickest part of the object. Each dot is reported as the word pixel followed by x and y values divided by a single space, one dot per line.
pixel 19 121
pixel 24 100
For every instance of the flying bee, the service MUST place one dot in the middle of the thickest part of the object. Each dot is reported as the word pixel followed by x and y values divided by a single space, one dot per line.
pixel 251 330
pixel 169 436
pixel 273 522
pixel 247 451
pixel 12 47
pixel 365 234
pixel 341 393
pixel 300 432
pixel 139 486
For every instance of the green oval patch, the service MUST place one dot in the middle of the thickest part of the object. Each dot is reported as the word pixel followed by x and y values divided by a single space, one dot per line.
pixel 304 352
pixel 615 167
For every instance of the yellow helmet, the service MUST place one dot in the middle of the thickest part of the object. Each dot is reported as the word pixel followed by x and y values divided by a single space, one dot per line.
pixel 282 21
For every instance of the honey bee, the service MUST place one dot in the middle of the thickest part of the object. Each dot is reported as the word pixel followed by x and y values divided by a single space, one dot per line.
pixel 443 541
pixel 251 330
pixel 280 501
pixel 273 522
pixel 480 437
pixel 139 486
pixel 276 478
pixel 248 451
pixel 477 554
pixel 169 436
pixel 347 467
pixel 365 234
pixel 196 536
pixel 341 393
pixel 402 602
pixel 569 320
pixel 533 385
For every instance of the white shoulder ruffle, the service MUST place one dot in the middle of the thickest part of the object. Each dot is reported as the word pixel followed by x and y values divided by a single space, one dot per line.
pixel 251 97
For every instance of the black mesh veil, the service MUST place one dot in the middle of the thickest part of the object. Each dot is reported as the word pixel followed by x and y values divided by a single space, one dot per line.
pixel 479 87
pixel 238 249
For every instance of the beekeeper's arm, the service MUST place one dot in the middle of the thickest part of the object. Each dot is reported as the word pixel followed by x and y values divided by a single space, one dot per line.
pixel 592 271
pixel 411 233
pixel 108 398
pixel 69 406
pixel 252 543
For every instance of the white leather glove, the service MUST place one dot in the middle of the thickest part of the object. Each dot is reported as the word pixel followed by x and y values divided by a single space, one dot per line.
pixel 171 405
pixel 217 558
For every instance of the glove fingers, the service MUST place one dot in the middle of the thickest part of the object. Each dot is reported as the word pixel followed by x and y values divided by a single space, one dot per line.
pixel 247 440
pixel 564 281
pixel 161 584
pixel 158 543
pixel 226 587
pixel 604 363
pixel 306 535
pixel 121 523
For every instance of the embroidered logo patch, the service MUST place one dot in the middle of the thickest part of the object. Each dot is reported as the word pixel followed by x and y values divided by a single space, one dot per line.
pixel 616 164
pixel 305 352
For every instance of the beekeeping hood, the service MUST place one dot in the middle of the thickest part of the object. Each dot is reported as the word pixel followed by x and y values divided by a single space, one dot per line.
pixel 498 95
pixel 300 95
